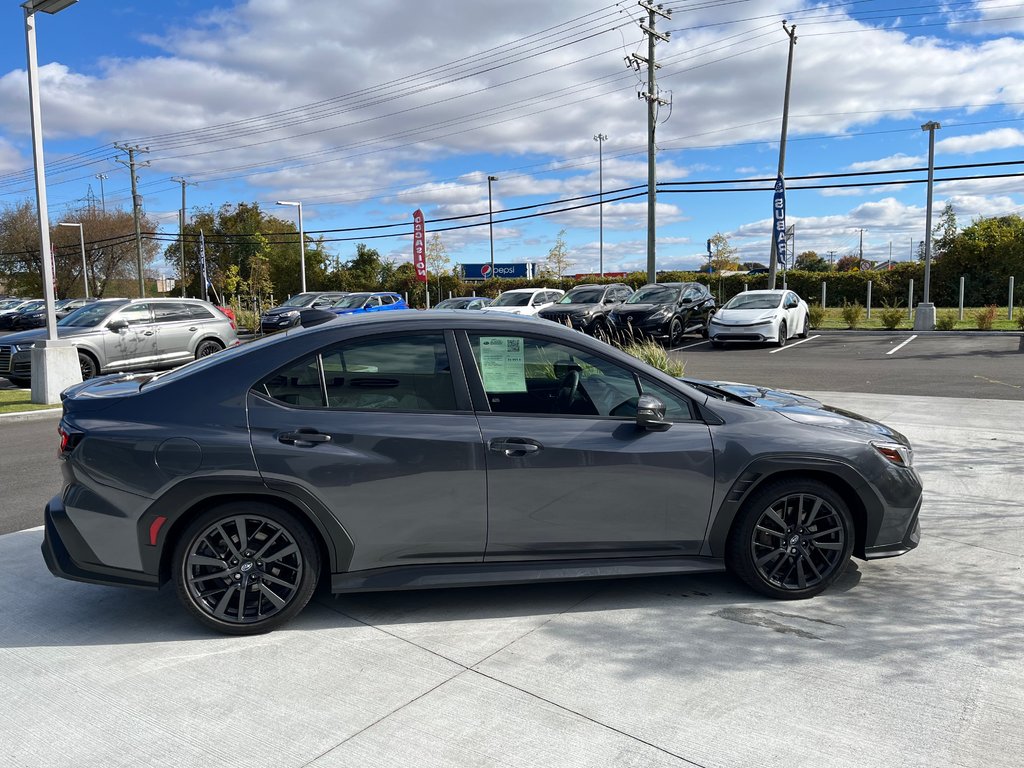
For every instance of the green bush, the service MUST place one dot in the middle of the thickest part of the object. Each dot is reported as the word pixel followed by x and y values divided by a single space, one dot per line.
pixel 891 315
pixel 816 315
pixel 985 316
pixel 852 314
pixel 652 353
pixel 246 319
pixel 1020 317
pixel 946 321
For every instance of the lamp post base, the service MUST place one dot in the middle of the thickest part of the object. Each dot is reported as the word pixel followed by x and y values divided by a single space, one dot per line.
pixel 55 367
pixel 924 317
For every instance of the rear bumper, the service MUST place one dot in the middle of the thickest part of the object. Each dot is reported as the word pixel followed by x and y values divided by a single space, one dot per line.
pixel 68 556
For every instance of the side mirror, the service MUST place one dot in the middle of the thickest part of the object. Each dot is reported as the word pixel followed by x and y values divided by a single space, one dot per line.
pixel 117 325
pixel 650 414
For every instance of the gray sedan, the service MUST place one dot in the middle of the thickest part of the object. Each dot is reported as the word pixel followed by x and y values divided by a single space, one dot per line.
pixel 417 450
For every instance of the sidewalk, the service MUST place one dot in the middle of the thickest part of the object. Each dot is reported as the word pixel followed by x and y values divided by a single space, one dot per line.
pixel 913 661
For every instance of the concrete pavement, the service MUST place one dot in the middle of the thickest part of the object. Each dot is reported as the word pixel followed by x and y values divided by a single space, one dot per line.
pixel 914 661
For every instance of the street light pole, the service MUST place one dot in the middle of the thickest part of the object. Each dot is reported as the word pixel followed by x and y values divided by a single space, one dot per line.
pixel 924 317
pixel 81 241
pixel 601 139
pixel 490 218
pixel 302 241
pixel 54 362
pixel 791 32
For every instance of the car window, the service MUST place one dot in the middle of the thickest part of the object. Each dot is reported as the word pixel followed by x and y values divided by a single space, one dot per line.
pixel 373 301
pixel 135 314
pixel 528 375
pixel 199 312
pixel 677 407
pixel 171 312
pixel 387 299
pixel 404 373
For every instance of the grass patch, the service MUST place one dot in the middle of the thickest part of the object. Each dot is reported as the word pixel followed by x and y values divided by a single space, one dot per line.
pixel 833 319
pixel 15 400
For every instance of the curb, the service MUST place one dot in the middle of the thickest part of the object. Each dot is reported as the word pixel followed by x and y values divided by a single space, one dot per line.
pixel 42 413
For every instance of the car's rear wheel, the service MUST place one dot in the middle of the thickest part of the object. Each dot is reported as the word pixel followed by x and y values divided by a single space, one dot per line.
pixel 791 539
pixel 90 368
pixel 207 348
pixel 244 568
pixel 782 338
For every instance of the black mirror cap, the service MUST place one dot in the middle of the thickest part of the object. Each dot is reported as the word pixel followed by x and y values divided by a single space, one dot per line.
pixel 117 325
pixel 650 414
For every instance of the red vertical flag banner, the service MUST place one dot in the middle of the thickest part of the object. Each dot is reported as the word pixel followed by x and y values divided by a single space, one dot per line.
pixel 419 250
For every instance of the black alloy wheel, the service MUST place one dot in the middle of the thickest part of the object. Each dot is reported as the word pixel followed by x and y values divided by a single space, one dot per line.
pixel 783 338
pixel 207 348
pixel 675 332
pixel 245 567
pixel 88 364
pixel 791 540
pixel 601 331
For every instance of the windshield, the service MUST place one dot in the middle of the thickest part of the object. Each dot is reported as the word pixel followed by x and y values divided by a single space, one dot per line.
pixel 654 294
pixel 509 299
pixel 452 304
pixel 583 296
pixel 353 301
pixel 754 301
pixel 62 303
pixel 33 306
pixel 300 300
pixel 9 303
pixel 90 315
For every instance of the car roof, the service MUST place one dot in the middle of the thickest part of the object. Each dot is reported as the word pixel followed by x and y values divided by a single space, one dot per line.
pixel 531 290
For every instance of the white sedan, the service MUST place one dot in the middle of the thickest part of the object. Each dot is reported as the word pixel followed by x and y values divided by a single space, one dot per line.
pixel 525 301
pixel 773 316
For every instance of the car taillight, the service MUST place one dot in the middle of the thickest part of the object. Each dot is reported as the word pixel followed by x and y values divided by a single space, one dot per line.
pixel 68 440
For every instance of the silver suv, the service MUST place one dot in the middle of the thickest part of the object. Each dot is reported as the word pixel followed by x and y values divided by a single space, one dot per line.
pixel 127 335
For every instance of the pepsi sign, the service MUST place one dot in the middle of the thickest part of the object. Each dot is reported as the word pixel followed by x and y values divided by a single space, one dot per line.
pixel 483 271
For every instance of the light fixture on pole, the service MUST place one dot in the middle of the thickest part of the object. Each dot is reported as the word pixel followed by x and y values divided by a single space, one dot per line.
pixel 490 218
pixel 302 241
pixel 81 241
pixel 924 316
pixel 54 361
pixel 601 139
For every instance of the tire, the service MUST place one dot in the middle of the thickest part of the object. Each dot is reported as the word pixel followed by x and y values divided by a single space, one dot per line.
pixel 90 368
pixel 791 539
pixel 601 332
pixel 804 328
pixel 244 568
pixel 675 332
pixel 207 348
pixel 783 338
pixel 23 383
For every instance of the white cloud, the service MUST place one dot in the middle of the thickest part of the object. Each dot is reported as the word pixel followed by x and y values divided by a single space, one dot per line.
pixel 999 138
pixel 892 162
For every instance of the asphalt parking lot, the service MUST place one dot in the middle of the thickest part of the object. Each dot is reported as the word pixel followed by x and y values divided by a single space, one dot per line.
pixel 914 661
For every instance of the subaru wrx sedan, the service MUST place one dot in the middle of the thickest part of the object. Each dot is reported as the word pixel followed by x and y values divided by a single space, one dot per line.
pixel 508 450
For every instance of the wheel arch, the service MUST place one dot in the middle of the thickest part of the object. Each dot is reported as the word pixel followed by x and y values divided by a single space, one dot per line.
pixel 865 507
pixel 182 504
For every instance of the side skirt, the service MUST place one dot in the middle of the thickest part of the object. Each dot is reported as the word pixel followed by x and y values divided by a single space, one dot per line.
pixel 485 574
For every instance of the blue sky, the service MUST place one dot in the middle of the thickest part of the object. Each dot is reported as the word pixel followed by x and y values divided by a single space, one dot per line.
pixel 366 111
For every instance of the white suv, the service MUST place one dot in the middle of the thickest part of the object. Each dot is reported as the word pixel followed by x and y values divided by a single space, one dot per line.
pixel 525 301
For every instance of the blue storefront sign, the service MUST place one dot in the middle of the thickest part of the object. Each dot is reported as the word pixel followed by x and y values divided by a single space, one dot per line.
pixel 483 271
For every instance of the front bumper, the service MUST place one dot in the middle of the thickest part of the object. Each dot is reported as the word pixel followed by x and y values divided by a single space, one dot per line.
pixel 911 538
pixel 15 364
pixel 655 329
pixel 759 332
pixel 68 556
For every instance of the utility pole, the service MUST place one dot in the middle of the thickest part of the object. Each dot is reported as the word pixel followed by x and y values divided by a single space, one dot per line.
pixel 635 61
pixel 136 205
pixel 181 227
pixel 103 197
pixel 831 259
pixel 791 32
pixel 924 317
pixel 860 252
pixel 601 139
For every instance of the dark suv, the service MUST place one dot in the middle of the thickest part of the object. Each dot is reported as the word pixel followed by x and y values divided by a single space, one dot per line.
pixel 289 314
pixel 664 311
pixel 586 307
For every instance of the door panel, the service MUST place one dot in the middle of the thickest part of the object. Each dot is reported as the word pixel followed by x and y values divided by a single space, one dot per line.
pixel 134 346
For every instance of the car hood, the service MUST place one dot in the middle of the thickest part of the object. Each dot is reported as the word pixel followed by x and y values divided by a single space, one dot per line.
pixel 637 309
pixel 743 316
pixel 803 409
pixel 349 311
pixel 567 309
pixel 281 310
pixel 509 310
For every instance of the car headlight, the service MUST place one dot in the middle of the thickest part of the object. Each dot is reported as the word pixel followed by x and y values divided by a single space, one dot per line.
pixel 23 346
pixel 290 313
pixel 897 453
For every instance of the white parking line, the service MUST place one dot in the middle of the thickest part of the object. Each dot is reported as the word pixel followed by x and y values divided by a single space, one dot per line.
pixel 898 347
pixel 697 344
pixel 794 344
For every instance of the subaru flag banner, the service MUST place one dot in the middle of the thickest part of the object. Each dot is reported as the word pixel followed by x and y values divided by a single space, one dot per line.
pixel 202 265
pixel 779 221
pixel 419 253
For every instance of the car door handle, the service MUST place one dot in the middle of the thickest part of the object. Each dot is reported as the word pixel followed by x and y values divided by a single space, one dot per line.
pixel 193 329
pixel 147 333
pixel 303 438
pixel 513 446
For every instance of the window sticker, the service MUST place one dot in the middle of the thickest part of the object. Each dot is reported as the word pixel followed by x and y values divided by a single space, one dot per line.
pixel 503 363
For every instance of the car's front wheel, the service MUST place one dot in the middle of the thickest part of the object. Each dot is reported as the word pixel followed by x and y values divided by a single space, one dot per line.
pixel 89 366
pixel 675 332
pixel 791 539
pixel 782 337
pixel 244 568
